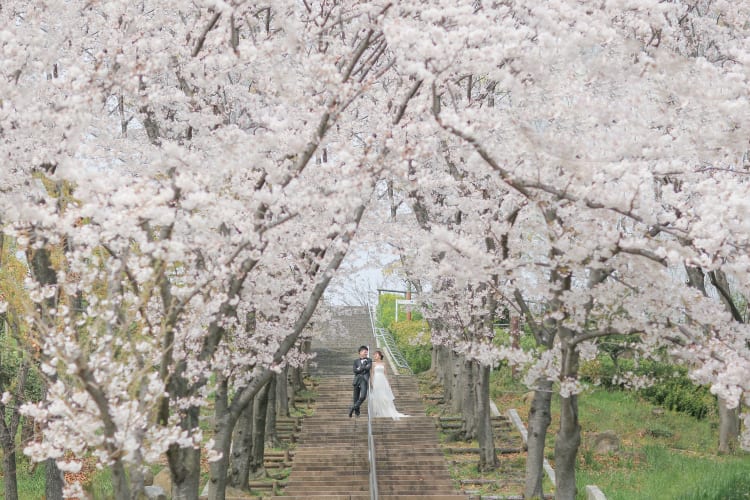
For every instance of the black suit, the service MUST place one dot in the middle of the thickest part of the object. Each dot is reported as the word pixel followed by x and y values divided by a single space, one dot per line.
pixel 361 382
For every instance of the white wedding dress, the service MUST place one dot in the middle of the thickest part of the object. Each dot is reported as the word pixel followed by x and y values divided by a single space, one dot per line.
pixel 381 397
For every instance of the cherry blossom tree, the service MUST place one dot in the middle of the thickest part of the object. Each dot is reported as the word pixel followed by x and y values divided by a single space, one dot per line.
pixel 195 140
pixel 589 113
pixel 220 156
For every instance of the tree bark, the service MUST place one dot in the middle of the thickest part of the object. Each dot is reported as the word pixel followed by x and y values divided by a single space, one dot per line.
pixel 242 444
pixel 217 479
pixel 729 423
pixel 272 437
pixel 10 478
pixel 9 423
pixel 41 268
pixel 257 454
pixel 568 437
pixel 434 359
pixel 729 428
pixel 457 383
pixel 487 456
pixel 445 372
pixel 567 441
pixel 184 463
pixel 54 480
pixel 298 382
pixel 282 393
pixel 468 402
pixel 307 349
pixel 540 417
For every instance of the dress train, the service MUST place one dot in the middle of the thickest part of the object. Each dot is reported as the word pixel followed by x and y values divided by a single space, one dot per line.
pixel 381 397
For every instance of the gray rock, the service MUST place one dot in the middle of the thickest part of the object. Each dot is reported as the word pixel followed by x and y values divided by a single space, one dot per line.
pixel 148 478
pixel 605 442
pixel 155 493
pixel 164 481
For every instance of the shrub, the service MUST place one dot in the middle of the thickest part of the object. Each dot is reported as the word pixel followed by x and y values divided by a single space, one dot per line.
pixel 413 339
pixel 680 394
pixel 672 388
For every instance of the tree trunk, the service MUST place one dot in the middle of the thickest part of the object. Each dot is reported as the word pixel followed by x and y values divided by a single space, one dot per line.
pixel 53 489
pixel 282 393
pixel 120 483
pixel 568 437
pixel 445 372
pixel 436 363
pixel 291 391
pixel 184 463
pixel 137 483
pixel 242 444
pixel 217 479
pixel 41 268
pixel 298 381
pixel 457 383
pixel 307 349
pixel 729 424
pixel 434 359
pixel 468 403
pixel 540 417
pixel 9 423
pixel 729 428
pixel 487 457
pixel 567 441
pixel 272 437
pixel 257 454
pixel 10 478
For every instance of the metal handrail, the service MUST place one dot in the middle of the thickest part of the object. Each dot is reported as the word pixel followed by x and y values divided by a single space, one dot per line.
pixel 371 457
pixel 384 339
pixel 370 438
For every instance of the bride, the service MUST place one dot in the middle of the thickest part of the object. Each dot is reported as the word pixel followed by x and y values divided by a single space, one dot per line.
pixel 381 396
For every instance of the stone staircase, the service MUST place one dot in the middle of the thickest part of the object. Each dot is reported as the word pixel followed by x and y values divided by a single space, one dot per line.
pixel 331 458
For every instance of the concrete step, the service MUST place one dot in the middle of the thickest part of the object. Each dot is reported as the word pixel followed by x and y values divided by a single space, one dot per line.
pixel 331 457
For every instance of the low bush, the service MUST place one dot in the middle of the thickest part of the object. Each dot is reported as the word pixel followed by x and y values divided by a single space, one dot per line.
pixel 412 337
pixel 680 394
pixel 670 385
pixel 413 340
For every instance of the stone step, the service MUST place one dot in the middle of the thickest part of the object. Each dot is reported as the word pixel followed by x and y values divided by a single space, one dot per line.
pixel 330 460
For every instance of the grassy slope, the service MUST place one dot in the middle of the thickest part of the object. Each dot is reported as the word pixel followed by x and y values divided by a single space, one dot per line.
pixel 671 455
pixel 663 456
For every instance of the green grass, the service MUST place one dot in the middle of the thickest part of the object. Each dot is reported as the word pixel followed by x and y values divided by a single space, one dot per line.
pixel 101 484
pixel 666 456
pixel 663 456
pixel 29 485
pixel 661 473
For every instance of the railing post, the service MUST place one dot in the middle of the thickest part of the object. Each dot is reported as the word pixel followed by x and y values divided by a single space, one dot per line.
pixel 371 452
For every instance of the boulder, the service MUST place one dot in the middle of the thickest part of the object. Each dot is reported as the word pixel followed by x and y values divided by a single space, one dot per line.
pixel 148 477
pixel 155 493
pixel 164 481
pixel 605 442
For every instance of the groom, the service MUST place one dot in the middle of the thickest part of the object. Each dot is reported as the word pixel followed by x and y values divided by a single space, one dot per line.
pixel 361 380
